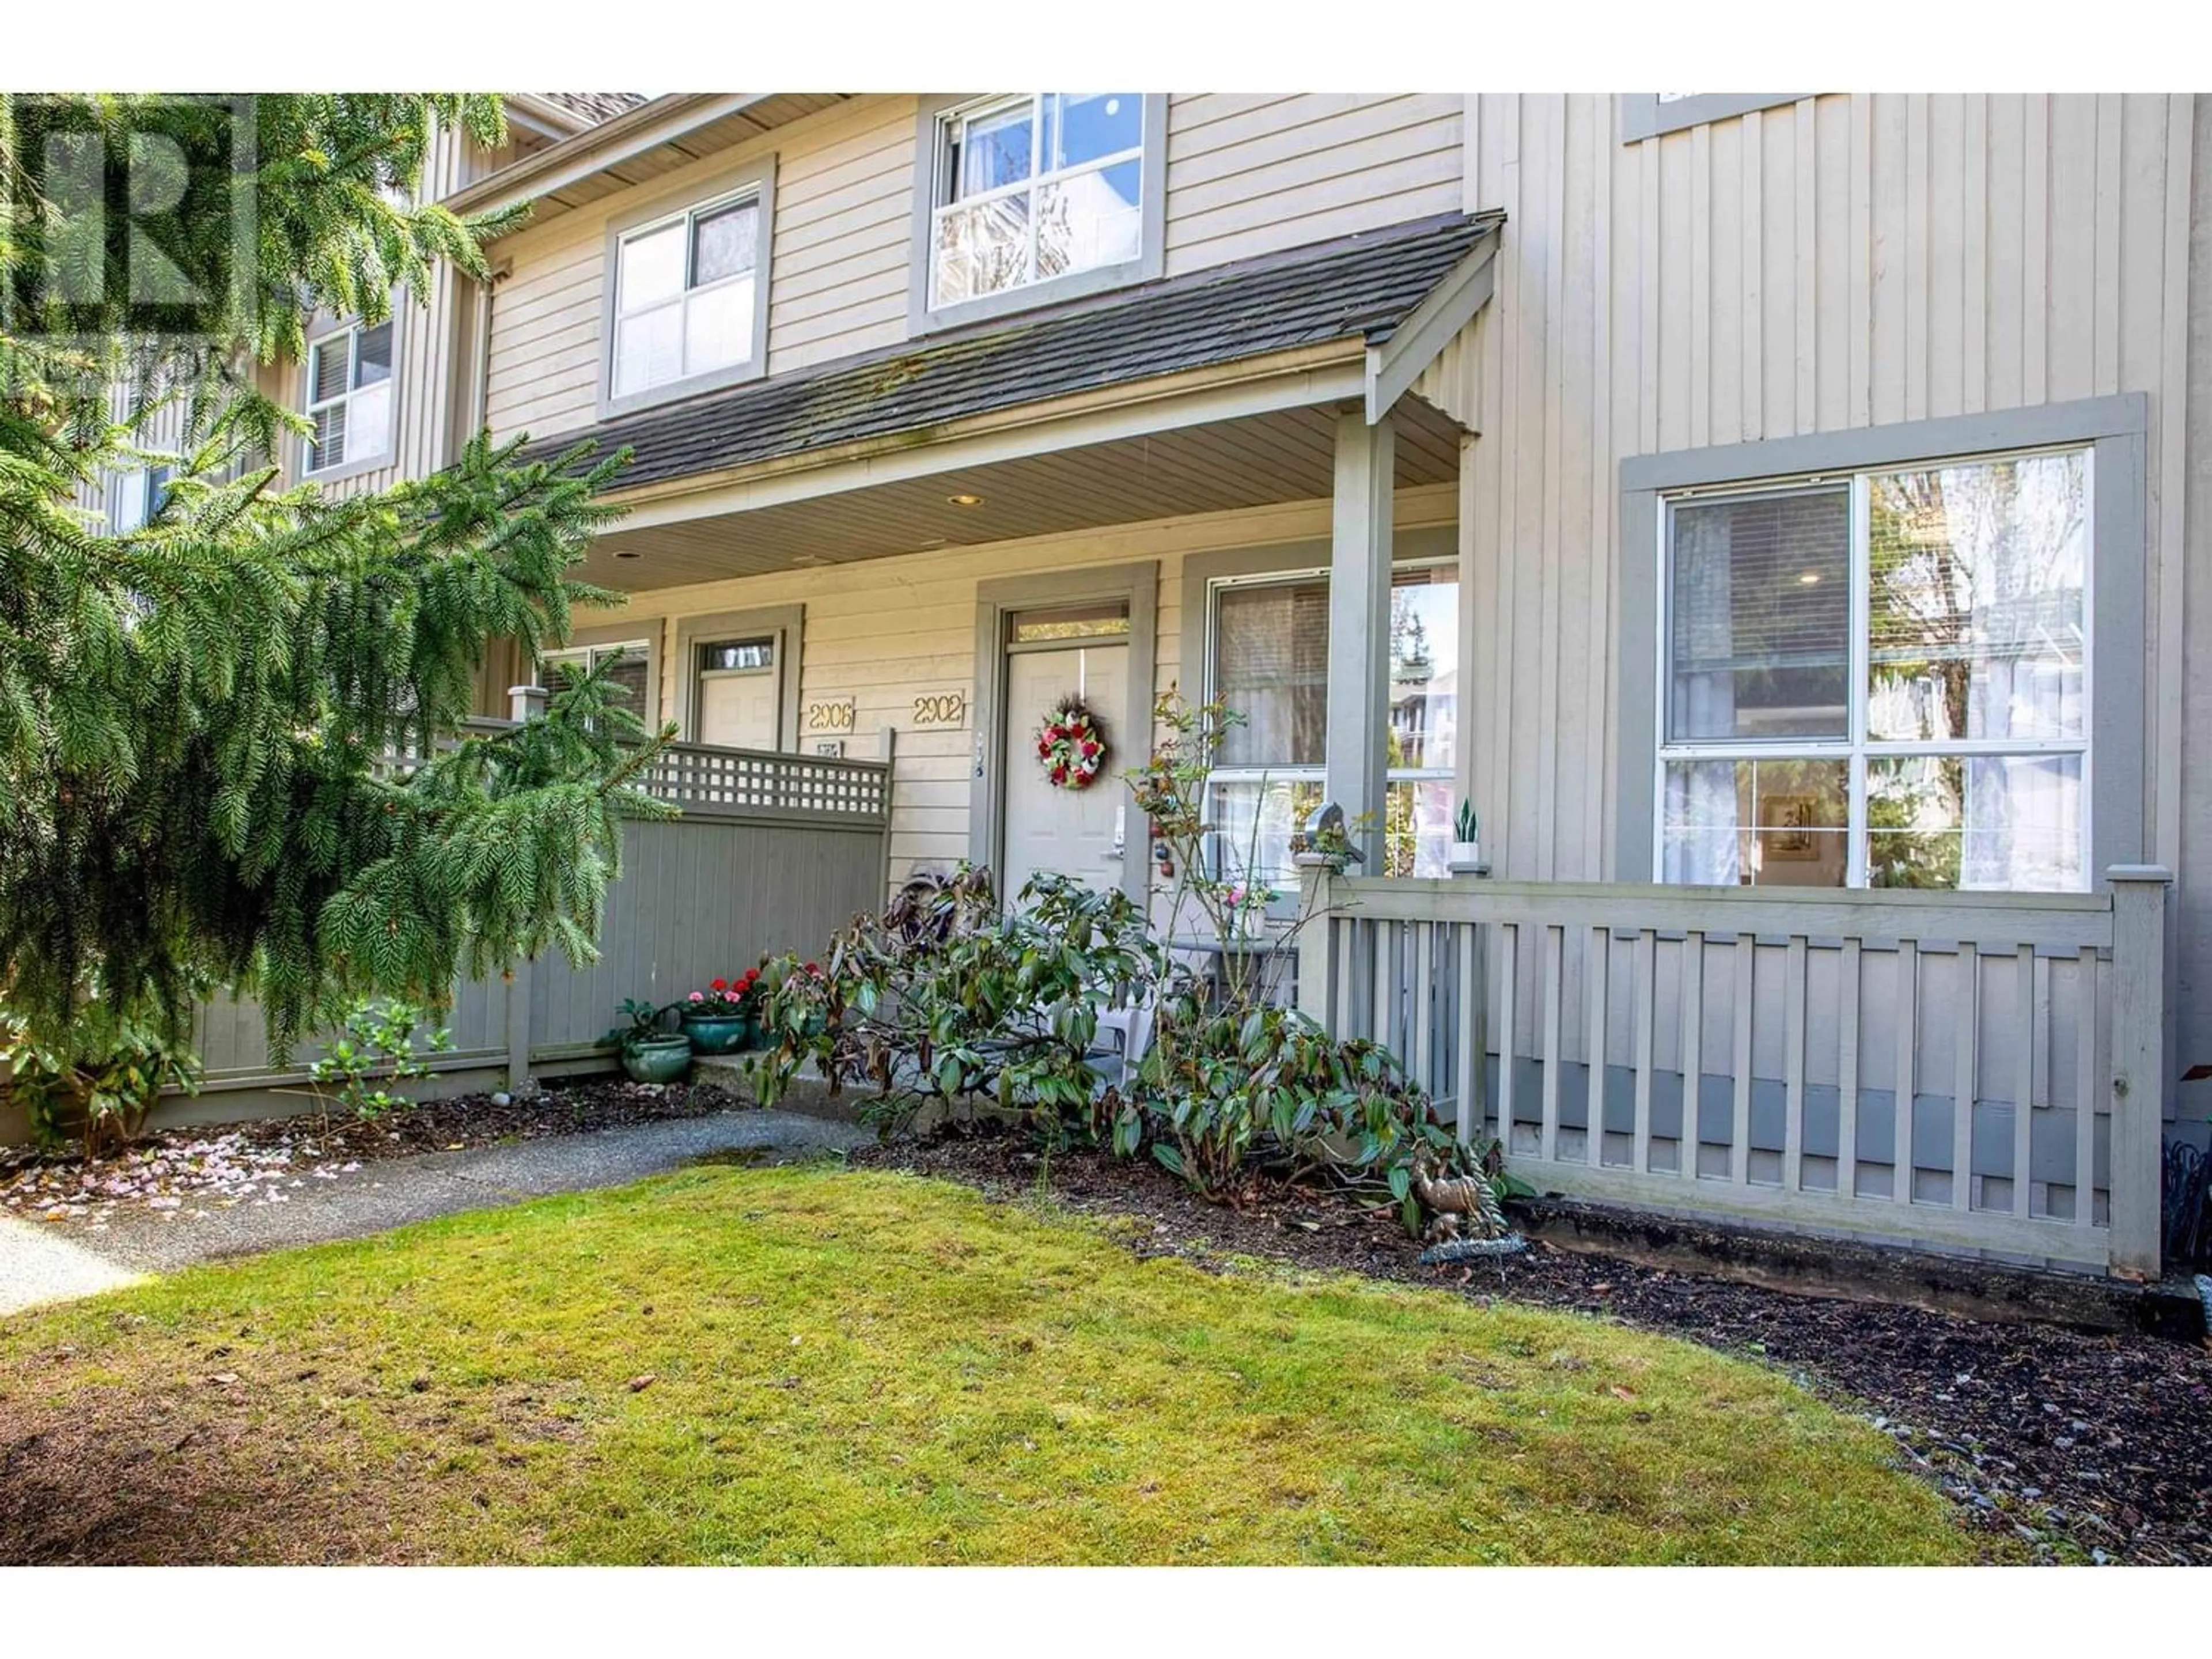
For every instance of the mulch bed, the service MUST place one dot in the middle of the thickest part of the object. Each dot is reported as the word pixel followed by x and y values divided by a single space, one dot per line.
pixel 265 1160
pixel 2086 1446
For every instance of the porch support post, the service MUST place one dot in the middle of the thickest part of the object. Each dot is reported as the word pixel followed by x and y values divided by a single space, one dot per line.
pixel 2136 1181
pixel 1316 938
pixel 1359 629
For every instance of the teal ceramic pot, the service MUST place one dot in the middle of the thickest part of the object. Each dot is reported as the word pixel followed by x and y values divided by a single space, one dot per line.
pixel 718 1033
pixel 664 1060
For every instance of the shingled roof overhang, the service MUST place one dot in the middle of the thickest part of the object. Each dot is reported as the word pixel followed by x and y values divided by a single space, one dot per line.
pixel 1383 304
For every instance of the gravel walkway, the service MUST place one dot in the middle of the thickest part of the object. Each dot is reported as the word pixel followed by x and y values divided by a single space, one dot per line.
pixel 38 1265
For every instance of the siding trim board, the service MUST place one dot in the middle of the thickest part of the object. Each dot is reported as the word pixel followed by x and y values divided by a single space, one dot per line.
pixel 2117 427
pixel 1641 115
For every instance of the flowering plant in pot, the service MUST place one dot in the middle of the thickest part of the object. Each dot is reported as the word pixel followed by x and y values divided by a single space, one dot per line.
pixel 719 1020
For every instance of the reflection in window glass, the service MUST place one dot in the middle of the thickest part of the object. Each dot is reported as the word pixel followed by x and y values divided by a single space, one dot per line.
pixel 1271 665
pixel 1255 819
pixel 684 297
pixel 1979 575
pixel 996 149
pixel 1072 623
pixel 1761 608
pixel 1757 823
pixel 736 654
pixel 1036 187
pixel 1992 823
pixel 1882 680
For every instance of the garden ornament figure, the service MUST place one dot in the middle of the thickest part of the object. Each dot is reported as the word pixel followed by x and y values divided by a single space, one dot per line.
pixel 1458 1204
pixel 1325 833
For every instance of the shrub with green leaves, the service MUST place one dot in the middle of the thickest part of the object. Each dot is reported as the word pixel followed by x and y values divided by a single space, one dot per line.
pixel 101 1086
pixel 944 1000
pixel 374 1043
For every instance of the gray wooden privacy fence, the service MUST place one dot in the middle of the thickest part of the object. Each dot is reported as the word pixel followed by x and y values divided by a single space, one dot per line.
pixel 773 852
pixel 1975 1071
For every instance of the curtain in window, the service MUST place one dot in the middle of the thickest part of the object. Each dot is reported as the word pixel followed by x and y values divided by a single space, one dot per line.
pixel 1271 665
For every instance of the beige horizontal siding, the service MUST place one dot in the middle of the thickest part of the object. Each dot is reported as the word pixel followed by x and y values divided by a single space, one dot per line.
pixel 1245 176
pixel 886 630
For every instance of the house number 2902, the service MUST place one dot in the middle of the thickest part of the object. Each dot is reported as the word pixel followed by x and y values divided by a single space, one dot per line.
pixel 941 708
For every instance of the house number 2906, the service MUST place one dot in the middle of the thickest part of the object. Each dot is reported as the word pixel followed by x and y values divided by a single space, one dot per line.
pixel 941 708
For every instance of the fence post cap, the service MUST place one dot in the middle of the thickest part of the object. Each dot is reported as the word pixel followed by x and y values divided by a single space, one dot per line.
pixel 2157 872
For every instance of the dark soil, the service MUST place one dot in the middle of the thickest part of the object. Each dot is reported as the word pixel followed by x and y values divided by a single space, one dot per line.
pixel 2086 1446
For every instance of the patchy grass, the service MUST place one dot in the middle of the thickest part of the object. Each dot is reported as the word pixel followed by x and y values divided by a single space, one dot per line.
pixel 802 1365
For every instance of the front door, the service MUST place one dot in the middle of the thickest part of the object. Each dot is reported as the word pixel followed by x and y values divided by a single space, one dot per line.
pixel 1075 832
pixel 739 693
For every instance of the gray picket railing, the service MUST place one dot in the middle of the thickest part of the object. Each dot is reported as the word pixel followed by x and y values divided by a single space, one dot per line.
pixel 1791 1057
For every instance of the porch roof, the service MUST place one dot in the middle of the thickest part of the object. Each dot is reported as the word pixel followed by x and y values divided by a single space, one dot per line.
pixel 1357 289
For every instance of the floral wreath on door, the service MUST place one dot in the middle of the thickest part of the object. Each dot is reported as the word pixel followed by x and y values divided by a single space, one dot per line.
pixel 1071 745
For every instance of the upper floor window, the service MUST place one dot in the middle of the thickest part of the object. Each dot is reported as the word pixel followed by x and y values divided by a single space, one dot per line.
pixel 349 397
pixel 1881 678
pixel 1039 194
pixel 684 301
pixel 687 294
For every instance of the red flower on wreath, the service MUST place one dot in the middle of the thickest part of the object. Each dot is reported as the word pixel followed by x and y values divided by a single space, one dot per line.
pixel 1071 745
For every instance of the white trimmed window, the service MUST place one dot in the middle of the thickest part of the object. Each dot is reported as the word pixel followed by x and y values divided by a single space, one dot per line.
pixel 1269 664
pixel 135 497
pixel 350 377
pixel 684 296
pixel 1032 187
pixel 632 675
pixel 1880 678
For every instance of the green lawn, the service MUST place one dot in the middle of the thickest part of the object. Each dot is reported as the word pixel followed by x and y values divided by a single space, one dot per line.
pixel 869 1368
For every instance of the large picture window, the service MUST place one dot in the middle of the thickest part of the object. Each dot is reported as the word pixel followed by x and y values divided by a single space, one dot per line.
pixel 1270 664
pixel 1033 188
pixel 1881 678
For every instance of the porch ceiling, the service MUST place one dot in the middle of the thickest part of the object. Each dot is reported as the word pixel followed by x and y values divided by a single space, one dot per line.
pixel 1285 455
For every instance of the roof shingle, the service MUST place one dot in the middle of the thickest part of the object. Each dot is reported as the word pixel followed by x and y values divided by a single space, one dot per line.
pixel 1364 285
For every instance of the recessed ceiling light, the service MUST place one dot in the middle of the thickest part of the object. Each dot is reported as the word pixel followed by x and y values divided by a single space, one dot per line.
pixel 964 501
pixel 1809 578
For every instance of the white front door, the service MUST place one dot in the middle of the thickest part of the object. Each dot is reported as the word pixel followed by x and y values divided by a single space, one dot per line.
pixel 1075 832
pixel 738 707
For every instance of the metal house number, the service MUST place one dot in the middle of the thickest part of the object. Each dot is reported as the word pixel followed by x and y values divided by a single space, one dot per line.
pixel 941 708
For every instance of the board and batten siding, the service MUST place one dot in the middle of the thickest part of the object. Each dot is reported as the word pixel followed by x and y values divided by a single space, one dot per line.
pixel 1843 261
pixel 1245 176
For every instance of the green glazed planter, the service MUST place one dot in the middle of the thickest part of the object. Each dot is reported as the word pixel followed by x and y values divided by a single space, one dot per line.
pixel 718 1033
pixel 664 1060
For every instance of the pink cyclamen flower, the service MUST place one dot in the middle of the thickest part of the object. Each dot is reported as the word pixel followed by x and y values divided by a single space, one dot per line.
pixel 698 996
